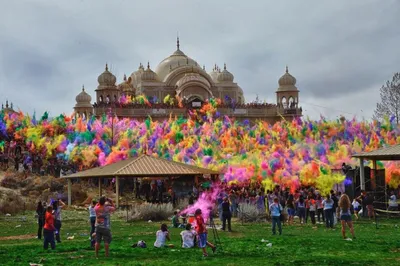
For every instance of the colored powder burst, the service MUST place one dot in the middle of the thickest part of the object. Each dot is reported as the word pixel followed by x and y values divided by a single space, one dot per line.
pixel 287 153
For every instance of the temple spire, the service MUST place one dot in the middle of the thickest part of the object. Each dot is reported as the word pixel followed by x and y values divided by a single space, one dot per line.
pixel 6 103
pixel 287 69
pixel 124 77
pixel 224 66
pixel 83 87
pixel 148 65
pixel 106 67
pixel 177 42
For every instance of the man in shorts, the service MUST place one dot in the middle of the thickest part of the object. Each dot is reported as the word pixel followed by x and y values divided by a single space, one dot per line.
pixel 103 210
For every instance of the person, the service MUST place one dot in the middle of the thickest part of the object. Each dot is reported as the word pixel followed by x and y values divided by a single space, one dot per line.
pixel 201 231
pixel 226 214
pixel 328 210
pixel 41 213
pixel 369 200
pixel 92 217
pixel 162 236
pixel 276 210
pixel 313 207
pixel 175 220
pixel 191 198
pixel 345 215
pixel 260 199
pixel 301 209
pixel 188 237
pixel 335 204
pixel 320 209
pixel 57 206
pixel 393 205
pixel 48 229
pixel 103 210
pixel 290 208
pixel 362 199
pixel 356 207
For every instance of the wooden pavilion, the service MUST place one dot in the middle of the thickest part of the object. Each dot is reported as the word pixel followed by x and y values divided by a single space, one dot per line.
pixel 140 167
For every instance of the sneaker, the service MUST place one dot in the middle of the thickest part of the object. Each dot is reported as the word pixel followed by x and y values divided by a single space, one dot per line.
pixel 205 255
pixel 349 239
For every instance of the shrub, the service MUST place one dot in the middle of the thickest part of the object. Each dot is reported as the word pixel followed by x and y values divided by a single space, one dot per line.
pixel 149 211
pixel 250 213
pixel 9 182
pixel 78 194
pixel 11 202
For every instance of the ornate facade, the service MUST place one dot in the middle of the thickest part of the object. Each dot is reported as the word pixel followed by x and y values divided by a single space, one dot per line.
pixel 179 76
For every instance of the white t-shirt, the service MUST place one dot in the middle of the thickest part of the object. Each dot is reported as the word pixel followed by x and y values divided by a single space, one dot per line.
pixel 188 238
pixel 355 205
pixel 161 238
pixel 393 201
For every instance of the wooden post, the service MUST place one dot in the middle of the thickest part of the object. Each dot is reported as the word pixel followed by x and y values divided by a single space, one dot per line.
pixel 362 174
pixel 69 191
pixel 375 172
pixel 100 192
pixel 117 191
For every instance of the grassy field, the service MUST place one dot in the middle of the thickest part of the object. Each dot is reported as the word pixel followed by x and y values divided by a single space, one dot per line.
pixel 299 245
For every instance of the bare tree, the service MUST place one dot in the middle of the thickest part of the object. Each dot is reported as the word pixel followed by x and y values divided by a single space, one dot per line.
pixel 390 100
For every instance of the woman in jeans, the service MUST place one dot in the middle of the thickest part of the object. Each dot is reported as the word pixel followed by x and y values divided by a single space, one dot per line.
pixel 48 232
pixel 57 206
pixel 276 210
pixel 329 211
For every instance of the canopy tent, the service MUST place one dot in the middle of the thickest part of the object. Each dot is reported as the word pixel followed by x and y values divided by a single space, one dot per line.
pixel 391 153
pixel 142 166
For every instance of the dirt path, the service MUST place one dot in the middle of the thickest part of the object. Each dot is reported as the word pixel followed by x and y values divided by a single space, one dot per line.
pixel 20 237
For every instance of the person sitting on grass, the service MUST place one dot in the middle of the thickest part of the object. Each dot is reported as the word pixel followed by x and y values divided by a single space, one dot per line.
pixel 201 231
pixel 48 230
pixel 103 210
pixel 162 236
pixel 175 221
pixel 188 237
pixel 276 210
pixel 345 216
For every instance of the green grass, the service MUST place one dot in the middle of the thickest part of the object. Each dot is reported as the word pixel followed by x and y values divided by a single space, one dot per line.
pixel 299 245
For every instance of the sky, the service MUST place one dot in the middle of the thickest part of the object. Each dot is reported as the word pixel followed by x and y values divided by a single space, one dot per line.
pixel 341 52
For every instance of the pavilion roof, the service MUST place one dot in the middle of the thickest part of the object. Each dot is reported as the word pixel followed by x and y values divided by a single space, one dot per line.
pixel 143 166
pixel 391 153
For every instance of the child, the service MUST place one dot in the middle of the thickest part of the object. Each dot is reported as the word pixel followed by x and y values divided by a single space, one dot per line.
pixel 162 236
pixel 356 207
pixel 188 237
pixel 201 231
pixel 175 221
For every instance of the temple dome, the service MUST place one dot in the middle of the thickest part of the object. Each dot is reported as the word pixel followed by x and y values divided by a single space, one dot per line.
pixel 106 78
pixel 83 99
pixel 287 82
pixel 225 76
pixel 214 73
pixel 177 59
pixel 148 74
